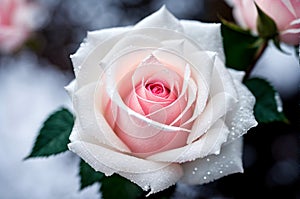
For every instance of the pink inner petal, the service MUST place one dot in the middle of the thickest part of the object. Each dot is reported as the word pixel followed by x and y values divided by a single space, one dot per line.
pixel 143 110
pixel 158 89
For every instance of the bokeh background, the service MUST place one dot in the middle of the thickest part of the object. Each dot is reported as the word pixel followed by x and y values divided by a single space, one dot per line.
pixel 31 87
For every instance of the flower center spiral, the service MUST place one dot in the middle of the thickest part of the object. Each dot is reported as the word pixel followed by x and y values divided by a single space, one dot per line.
pixel 158 89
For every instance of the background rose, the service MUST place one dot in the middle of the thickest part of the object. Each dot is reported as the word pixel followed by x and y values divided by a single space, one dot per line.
pixel 286 15
pixel 156 106
pixel 16 23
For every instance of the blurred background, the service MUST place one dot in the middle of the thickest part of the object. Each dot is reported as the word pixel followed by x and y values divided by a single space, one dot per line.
pixel 32 80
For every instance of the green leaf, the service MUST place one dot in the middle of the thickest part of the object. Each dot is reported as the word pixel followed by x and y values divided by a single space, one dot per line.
pixel 54 135
pixel 88 175
pixel 116 187
pixel 266 27
pixel 240 46
pixel 266 107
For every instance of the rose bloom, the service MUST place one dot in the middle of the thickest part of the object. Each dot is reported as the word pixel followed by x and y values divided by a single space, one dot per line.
pixel 155 104
pixel 16 23
pixel 285 13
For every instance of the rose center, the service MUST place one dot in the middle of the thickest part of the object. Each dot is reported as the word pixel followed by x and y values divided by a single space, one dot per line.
pixel 158 89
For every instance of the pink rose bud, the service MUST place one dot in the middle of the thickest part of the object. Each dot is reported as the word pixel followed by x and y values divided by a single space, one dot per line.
pixel 285 13
pixel 16 23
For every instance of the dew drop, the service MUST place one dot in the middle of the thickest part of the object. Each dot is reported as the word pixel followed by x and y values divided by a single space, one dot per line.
pixel 221 171
pixel 193 172
pixel 146 187
pixel 208 173
pixel 207 159
pixel 204 177
pixel 278 102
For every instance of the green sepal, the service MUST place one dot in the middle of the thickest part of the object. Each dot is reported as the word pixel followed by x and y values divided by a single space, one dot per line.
pixel 266 26
pixel 240 47
pixel 54 135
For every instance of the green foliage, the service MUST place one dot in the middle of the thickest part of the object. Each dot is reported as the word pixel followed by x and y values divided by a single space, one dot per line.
pixel 240 46
pixel 266 107
pixel 116 187
pixel 54 135
pixel 88 175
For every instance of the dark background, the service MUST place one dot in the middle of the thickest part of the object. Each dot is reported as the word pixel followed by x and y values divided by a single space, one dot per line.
pixel 271 151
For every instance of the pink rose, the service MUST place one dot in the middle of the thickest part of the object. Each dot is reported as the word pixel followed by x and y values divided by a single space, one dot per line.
pixel 285 13
pixel 155 103
pixel 16 23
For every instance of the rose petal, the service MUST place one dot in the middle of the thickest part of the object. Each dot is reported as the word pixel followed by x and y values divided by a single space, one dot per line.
pixel 70 88
pixel 147 143
pixel 190 100
pixel 157 73
pixel 147 174
pixel 284 7
pixel 209 143
pixel 216 108
pixel 95 127
pixel 77 135
pixel 212 167
pixel 202 75
pixel 223 96
pixel 87 58
pixel 134 104
pixel 182 103
pixel 222 80
pixel 207 35
pixel 131 41
pixel 127 114
pixel 241 119
pixel 161 19
pixel 138 125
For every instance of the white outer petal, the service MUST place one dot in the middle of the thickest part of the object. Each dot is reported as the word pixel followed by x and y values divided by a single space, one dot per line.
pixel 94 39
pixel 160 19
pixel 216 108
pixel 88 57
pixel 207 35
pixel 213 167
pixel 241 119
pixel 98 128
pixel 147 174
pixel 70 88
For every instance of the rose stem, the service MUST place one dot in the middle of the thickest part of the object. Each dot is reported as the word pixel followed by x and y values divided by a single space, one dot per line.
pixel 259 53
